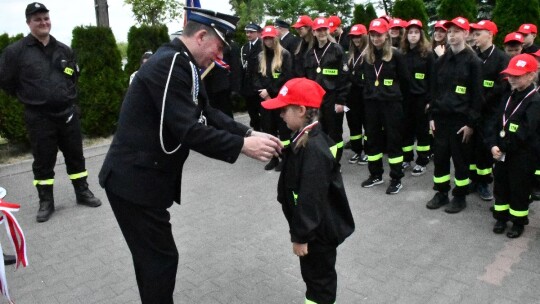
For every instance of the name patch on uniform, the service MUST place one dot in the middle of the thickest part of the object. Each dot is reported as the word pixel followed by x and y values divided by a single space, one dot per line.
pixel 489 83
pixel 68 71
pixel 276 75
pixel 388 82
pixel 461 90
pixel 332 72
pixel 419 75
pixel 513 127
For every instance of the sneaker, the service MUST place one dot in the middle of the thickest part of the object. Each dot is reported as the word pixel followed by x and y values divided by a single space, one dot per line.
pixel 395 186
pixel 354 159
pixel 457 204
pixel 405 165
pixel 363 160
pixel 418 170
pixel 439 199
pixel 372 181
pixel 484 192
pixel 272 164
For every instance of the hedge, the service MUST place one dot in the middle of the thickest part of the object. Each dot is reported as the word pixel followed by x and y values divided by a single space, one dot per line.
pixel 142 39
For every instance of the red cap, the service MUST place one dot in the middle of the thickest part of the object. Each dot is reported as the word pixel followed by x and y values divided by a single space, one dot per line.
pixel 319 22
pixel 414 22
pixel 521 64
pixel 460 22
pixel 357 30
pixel 378 25
pixel 386 18
pixel 515 36
pixel 334 22
pixel 303 21
pixel 440 24
pixel 485 25
pixel 396 22
pixel 536 54
pixel 269 31
pixel 527 28
pixel 297 91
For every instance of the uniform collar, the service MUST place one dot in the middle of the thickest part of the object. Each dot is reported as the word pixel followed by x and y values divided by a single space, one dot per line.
pixel 181 47
pixel 31 40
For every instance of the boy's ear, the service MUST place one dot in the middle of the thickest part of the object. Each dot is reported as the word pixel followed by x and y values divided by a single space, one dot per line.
pixel 303 110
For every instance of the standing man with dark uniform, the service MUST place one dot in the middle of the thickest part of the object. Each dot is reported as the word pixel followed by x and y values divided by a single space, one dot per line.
pixel 287 39
pixel 165 114
pixel 250 63
pixel 42 73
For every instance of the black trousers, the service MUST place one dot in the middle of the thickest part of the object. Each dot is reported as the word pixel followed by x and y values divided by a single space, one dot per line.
pixel 513 183
pixel 355 118
pixel 318 269
pixel 253 103
pixel 387 115
pixel 481 160
pixel 332 124
pixel 416 127
pixel 448 144
pixel 48 134
pixel 222 101
pixel 149 237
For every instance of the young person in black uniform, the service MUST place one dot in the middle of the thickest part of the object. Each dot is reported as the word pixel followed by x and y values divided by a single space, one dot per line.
pixel 454 115
pixel 250 61
pixel 275 68
pixel 311 190
pixel 386 84
pixel 421 65
pixel 42 73
pixel 336 30
pixel 494 86
pixel 513 137
pixel 303 27
pixel 396 28
pixel 438 41
pixel 513 44
pixel 154 138
pixel 355 101
pixel 324 64
pixel 287 39
pixel 529 32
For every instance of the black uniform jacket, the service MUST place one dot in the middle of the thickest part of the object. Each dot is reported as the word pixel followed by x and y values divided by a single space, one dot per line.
pixel 458 96
pixel 136 168
pixel 355 70
pixel 312 194
pixel 394 78
pixel 494 62
pixel 220 79
pixel 250 64
pixel 530 49
pixel 332 77
pixel 299 58
pixel 40 76
pixel 273 82
pixel 289 42
pixel 421 71
pixel 522 131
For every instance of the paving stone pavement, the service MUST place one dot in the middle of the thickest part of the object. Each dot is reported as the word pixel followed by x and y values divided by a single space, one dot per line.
pixel 234 245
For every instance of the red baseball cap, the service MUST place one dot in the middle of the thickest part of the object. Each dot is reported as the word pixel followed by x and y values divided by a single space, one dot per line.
pixel 521 64
pixel 357 30
pixel 378 25
pixel 386 18
pixel 319 22
pixel 297 91
pixel 304 20
pixel 269 31
pixel 527 28
pixel 414 22
pixel 334 22
pixel 460 22
pixel 396 22
pixel 485 25
pixel 440 24
pixel 515 36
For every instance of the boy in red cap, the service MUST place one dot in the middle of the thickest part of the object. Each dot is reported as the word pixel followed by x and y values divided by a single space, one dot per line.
pixel 494 86
pixel 455 113
pixel 513 44
pixel 512 136
pixel 529 32
pixel 311 190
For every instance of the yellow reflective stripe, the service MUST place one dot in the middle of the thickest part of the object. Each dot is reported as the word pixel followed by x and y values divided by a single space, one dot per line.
pixel 295 197
pixel 489 83
pixel 461 90
pixel 365 138
pixel 513 127
pixel 286 142
pixel 78 175
pixel 423 148
pixel 332 72
pixel 419 75
pixel 44 182
pixel 519 213
pixel 388 82
pixel 484 171
pixel 472 167
pixel 340 144
pixel 375 157
pixel 395 160
pixel 537 172
pixel 442 179
pixel 356 137
pixel 309 302
pixel 276 75
pixel 501 207
pixel 461 182
pixel 333 150
pixel 407 148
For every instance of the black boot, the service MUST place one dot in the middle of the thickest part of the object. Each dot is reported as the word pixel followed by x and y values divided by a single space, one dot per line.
pixel 83 194
pixel 9 259
pixel 46 202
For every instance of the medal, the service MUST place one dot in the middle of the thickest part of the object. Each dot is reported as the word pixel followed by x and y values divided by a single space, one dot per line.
pixel 319 60
pixel 318 69
pixel 502 134
pixel 377 83
pixel 505 120
pixel 353 72
pixel 377 72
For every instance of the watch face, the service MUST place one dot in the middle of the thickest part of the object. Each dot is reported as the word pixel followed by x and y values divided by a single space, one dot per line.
pixel 3 192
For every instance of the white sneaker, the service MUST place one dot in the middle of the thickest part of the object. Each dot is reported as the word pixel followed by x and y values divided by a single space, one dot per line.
pixel 418 170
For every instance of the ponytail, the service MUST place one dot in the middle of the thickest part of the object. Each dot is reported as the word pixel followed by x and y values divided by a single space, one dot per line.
pixel 312 115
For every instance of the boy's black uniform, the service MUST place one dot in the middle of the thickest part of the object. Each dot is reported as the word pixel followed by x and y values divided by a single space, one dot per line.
pixel 250 62
pixel 314 202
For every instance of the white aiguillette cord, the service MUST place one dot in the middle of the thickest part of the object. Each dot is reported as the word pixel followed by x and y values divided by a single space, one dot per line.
pixel 194 94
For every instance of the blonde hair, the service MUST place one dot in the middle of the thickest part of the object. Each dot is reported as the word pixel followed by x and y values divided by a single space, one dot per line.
pixel 424 46
pixel 309 39
pixel 353 48
pixel 369 53
pixel 312 114
pixel 277 61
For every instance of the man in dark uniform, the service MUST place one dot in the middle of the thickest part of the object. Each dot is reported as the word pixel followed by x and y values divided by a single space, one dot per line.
pixel 142 171
pixel 42 73
pixel 250 63
pixel 287 39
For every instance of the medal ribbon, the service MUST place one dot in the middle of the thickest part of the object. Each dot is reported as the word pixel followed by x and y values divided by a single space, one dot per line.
pixel 505 120
pixel 377 72
pixel 324 52
pixel 306 129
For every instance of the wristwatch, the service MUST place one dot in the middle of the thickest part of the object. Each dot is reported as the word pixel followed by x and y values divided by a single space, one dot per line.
pixel 248 132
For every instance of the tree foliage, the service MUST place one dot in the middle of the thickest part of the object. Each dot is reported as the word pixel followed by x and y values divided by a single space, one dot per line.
pixel 363 15
pixel 410 9
pixel 371 13
pixel 155 12
pixel 510 14
pixel 449 9
pixel 141 39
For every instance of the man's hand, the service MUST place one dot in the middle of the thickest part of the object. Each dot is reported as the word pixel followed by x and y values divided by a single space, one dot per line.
pixel 300 249
pixel 467 133
pixel 262 146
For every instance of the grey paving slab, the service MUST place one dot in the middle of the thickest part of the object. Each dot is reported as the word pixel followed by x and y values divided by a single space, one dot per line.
pixel 234 246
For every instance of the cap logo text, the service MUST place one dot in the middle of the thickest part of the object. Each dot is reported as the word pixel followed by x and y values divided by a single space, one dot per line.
pixel 283 91
pixel 376 23
pixel 521 63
